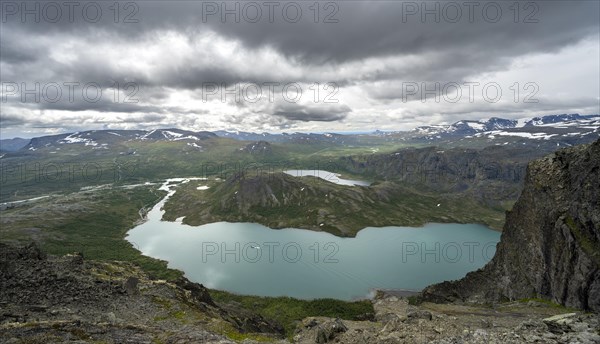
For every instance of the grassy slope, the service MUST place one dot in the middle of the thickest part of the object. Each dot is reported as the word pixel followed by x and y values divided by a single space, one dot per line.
pixel 289 311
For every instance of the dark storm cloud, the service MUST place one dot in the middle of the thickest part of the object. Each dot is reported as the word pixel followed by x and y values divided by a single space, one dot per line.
pixel 313 112
pixel 39 121
pixel 103 104
pixel 42 120
pixel 146 118
pixel 14 49
pixel 363 29
pixel 8 120
pixel 382 28
pixel 367 29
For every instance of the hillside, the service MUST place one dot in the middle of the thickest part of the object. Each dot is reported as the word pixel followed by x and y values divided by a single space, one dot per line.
pixel 278 200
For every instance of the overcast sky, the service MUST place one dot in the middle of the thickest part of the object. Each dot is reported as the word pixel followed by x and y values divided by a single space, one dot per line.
pixel 292 66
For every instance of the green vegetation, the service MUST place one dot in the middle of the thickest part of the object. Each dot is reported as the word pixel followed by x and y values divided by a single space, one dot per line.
pixel 288 311
pixel 94 223
pixel 591 248
pixel 277 200
pixel 75 166
pixel 547 303
pixel 414 300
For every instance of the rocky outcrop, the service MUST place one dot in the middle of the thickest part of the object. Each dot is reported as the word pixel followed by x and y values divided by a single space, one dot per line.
pixel 398 322
pixel 550 246
pixel 50 299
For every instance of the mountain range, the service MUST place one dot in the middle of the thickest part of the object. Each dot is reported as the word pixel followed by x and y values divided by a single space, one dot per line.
pixel 563 129
pixel 521 127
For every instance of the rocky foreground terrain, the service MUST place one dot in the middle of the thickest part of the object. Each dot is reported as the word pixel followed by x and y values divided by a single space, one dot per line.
pixel 399 322
pixel 48 299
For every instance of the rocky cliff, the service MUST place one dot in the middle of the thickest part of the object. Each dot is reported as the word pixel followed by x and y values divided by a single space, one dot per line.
pixel 550 246
pixel 491 175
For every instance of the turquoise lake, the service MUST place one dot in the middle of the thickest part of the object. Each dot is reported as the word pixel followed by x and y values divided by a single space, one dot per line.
pixel 248 258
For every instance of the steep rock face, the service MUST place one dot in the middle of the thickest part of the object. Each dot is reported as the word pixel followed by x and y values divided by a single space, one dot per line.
pixel 550 246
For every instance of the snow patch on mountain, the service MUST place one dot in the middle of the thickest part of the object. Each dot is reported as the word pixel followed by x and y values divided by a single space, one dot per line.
pixel 194 145
pixel 76 138
pixel 145 136
pixel 536 136
pixel 476 125
pixel 169 135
